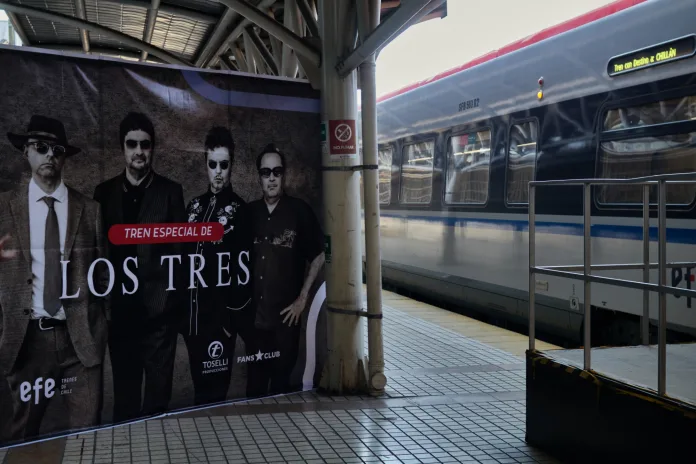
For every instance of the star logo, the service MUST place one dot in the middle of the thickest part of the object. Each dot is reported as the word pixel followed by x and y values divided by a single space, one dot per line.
pixel 258 355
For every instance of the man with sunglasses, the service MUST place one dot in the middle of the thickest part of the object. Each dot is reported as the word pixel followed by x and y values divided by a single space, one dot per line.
pixel 287 238
pixel 219 311
pixel 51 347
pixel 143 331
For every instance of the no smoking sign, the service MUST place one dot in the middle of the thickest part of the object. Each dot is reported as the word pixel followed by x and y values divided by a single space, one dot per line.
pixel 342 137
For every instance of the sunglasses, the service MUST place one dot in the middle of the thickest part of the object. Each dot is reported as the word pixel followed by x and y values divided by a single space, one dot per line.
pixel 266 172
pixel 212 164
pixel 144 144
pixel 42 148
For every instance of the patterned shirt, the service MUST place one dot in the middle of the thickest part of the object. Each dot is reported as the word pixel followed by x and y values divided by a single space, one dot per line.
pixel 285 242
pixel 226 260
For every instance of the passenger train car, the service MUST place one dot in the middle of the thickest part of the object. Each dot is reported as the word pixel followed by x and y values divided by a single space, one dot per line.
pixel 457 151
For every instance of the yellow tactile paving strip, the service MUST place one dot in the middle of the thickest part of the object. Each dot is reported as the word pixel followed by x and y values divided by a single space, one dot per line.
pixel 497 337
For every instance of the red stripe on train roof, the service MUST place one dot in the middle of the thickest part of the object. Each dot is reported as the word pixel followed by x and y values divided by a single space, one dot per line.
pixel 544 34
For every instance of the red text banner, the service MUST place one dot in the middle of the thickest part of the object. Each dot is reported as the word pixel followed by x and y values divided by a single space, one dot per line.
pixel 134 234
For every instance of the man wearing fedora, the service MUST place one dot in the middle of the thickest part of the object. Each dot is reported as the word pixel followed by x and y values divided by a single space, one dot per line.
pixel 53 333
pixel 143 331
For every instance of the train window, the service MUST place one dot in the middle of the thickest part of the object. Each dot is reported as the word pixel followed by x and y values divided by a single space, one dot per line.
pixel 417 172
pixel 675 110
pixel 468 164
pixel 647 155
pixel 384 163
pixel 385 170
pixel 522 152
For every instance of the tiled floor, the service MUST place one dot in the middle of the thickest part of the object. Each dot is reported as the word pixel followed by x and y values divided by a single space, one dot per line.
pixel 450 398
pixel 478 432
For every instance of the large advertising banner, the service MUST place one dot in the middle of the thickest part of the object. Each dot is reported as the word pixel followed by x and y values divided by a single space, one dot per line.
pixel 161 243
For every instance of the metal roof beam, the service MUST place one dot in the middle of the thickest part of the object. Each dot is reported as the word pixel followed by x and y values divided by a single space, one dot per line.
pixel 234 35
pixel 18 27
pixel 228 63
pixel 81 13
pixel 254 62
pixel 276 45
pixel 386 31
pixel 261 65
pixel 288 61
pixel 240 58
pixel 205 57
pixel 170 9
pixel 273 27
pixel 309 18
pixel 222 24
pixel 277 49
pixel 256 41
pixel 96 28
pixel 149 25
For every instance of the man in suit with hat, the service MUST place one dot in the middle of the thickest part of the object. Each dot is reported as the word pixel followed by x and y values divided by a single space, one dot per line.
pixel 53 329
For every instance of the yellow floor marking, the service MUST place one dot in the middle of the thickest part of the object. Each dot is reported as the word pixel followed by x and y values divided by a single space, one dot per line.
pixel 496 337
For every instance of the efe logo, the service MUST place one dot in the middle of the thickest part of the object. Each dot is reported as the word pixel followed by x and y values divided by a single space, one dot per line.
pixel 25 390
pixel 215 350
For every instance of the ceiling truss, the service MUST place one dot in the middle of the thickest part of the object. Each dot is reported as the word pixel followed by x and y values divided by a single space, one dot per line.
pixel 276 37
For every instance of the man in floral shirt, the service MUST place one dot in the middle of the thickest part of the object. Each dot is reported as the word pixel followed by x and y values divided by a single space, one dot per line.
pixel 288 255
pixel 220 309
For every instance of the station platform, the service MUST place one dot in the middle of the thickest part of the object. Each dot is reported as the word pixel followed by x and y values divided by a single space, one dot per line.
pixel 455 393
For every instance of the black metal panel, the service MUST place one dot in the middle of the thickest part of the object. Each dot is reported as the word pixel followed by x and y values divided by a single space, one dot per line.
pixel 581 418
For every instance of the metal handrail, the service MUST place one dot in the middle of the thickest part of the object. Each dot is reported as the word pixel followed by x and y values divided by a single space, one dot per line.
pixel 680 177
pixel 587 277
pixel 622 267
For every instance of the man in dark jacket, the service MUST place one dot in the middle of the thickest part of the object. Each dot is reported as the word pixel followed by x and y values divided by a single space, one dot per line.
pixel 219 307
pixel 142 336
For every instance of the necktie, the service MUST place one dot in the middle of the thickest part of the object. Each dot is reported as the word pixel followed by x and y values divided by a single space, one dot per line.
pixel 52 278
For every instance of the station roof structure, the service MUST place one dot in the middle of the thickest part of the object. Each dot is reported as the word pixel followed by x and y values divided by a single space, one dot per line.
pixel 200 33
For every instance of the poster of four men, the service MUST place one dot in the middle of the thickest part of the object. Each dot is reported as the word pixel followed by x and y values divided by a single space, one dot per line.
pixel 69 295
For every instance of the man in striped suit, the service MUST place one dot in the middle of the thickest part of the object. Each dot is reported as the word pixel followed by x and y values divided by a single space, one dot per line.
pixel 142 336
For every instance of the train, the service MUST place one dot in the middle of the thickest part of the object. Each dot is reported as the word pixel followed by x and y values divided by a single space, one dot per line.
pixel 609 94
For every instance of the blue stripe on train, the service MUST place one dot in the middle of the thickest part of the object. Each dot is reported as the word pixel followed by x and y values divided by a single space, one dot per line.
pixel 674 235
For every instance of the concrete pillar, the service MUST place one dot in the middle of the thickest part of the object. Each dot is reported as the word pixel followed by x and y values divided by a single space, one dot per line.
pixel 345 372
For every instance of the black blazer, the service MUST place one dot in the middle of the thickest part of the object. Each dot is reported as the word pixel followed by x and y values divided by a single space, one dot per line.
pixel 163 202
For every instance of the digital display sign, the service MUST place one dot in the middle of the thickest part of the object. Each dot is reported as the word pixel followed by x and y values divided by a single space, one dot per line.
pixel 667 52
